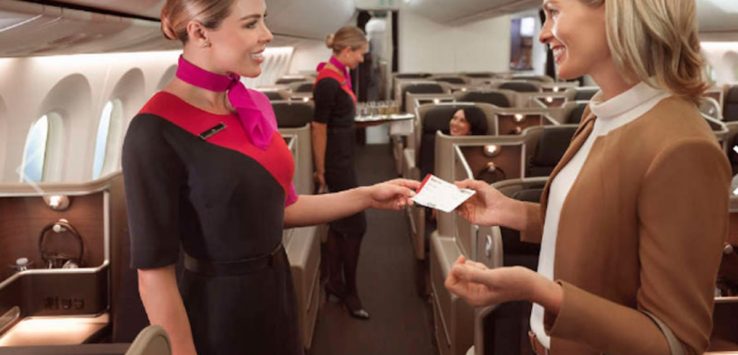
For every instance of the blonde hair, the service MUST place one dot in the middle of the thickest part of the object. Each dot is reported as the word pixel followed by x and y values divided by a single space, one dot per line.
pixel 656 41
pixel 346 37
pixel 176 14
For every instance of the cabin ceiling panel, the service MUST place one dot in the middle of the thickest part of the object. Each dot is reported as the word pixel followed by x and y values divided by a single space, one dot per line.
pixel 716 16
pixel 461 11
pixel 145 8
pixel 308 19
pixel 49 30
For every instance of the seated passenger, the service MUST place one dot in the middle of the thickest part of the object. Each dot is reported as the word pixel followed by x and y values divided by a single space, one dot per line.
pixel 467 122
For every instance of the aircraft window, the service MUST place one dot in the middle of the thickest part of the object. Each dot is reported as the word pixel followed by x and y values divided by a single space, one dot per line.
pixel 104 160
pixel 34 153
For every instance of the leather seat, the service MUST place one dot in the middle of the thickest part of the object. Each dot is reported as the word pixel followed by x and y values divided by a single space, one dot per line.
pixel 451 80
pixel 575 116
pixel 549 150
pixel 491 97
pixel 585 93
pixel 292 114
pixel 421 88
pixel 303 87
pixel 519 86
pixel 730 105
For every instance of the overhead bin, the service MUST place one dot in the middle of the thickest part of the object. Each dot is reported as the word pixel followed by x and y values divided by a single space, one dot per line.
pixel 30 29
pixel 460 11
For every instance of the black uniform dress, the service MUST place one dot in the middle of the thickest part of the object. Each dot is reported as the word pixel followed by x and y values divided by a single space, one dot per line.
pixel 220 200
pixel 335 106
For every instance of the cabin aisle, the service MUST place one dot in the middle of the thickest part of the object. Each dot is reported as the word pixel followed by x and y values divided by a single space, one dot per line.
pixel 400 320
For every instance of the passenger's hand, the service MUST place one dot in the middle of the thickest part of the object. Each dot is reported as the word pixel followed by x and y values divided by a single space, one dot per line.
pixel 393 195
pixel 481 286
pixel 319 179
pixel 486 207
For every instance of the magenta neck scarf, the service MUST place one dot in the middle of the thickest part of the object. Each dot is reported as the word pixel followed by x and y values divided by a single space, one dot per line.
pixel 256 125
pixel 342 67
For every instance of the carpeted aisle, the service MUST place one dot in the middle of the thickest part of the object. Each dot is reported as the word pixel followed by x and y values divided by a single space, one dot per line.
pixel 400 320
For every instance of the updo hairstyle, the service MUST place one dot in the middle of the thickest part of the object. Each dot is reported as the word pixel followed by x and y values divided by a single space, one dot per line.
pixel 176 14
pixel 346 37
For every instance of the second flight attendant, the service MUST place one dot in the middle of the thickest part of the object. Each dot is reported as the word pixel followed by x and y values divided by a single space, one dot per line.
pixel 333 150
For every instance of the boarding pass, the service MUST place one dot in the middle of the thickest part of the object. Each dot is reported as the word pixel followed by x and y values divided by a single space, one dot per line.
pixel 441 195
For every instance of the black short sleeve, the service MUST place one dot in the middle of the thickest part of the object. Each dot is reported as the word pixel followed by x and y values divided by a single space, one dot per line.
pixel 153 176
pixel 325 96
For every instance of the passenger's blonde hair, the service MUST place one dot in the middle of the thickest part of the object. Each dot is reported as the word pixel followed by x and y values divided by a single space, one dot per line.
pixel 656 41
pixel 176 14
pixel 346 37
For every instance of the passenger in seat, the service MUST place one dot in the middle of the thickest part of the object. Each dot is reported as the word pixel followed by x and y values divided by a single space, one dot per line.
pixel 633 218
pixel 464 124
pixel 207 172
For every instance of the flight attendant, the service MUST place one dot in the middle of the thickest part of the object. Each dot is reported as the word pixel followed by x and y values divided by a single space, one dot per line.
pixel 333 151
pixel 207 172
pixel 632 220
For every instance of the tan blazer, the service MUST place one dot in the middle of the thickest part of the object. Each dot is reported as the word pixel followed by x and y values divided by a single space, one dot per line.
pixel 641 229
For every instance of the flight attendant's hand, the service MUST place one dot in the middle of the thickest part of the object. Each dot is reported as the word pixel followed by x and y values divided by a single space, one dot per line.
pixel 394 194
pixel 319 179
pixel 488 207
pixel 481 286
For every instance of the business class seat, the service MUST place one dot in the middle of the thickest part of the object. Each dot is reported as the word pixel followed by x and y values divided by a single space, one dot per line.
pixel 302 87
pixel 455 80
pixel 550 148
pixel 420 88
pixel 519 86
pixel 499 98
pixel 153 340
pixel 502 329
pixel 289 80
pixel 575 115
pixel 585 92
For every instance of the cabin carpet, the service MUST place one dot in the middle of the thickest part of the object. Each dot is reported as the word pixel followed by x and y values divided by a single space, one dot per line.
pixel 400 321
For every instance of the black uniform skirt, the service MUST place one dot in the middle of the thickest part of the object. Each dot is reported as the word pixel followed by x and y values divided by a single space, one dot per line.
pixel 252 313
pixel 340 174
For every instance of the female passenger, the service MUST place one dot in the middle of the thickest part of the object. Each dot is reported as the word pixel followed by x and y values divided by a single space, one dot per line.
pixel 466 122
pixel 633 218
pixel 333 151
pixel 207 171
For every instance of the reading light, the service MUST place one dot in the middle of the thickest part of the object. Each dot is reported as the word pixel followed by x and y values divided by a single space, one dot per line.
pixel 519 117
pixel 555 89
pixel 436 101
pixel 549 99
pixel 491 150
pixel 305 99
pixel 57 202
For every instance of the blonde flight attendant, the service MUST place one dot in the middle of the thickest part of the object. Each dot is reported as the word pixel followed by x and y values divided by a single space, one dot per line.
pixel 208 174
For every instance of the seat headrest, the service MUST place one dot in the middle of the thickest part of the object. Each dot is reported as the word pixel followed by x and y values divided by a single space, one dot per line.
pixel 528 195
pixel 495 98
pixel 552 145
pixel 304 87
pixel 273 95
pixel 585 94
pixel 412 76
pixel 450 80
pixel 575 116
pixel 285 81
pixel 424 88
pixel 519 86
pixel 292 114
pixel 732 95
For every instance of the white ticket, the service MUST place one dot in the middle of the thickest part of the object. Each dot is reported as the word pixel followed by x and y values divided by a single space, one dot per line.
pixel 441 195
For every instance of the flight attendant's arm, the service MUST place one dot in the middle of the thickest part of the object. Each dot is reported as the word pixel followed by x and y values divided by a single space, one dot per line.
pixel 164 307
pixel 323 208
pixel 319 135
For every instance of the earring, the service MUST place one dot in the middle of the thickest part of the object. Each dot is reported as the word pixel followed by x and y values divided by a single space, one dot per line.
pixel 205 44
